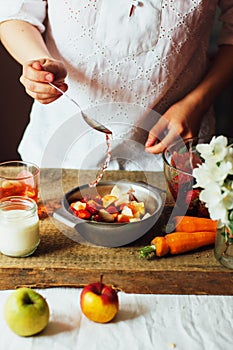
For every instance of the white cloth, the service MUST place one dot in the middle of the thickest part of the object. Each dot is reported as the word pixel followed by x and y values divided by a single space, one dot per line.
pixel 148 322
pixel 150 60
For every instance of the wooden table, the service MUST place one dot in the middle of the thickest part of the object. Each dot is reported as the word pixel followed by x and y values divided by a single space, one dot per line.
pixel 59 261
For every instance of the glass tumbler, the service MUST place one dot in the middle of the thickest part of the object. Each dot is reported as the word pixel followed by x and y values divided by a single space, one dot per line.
pixel 19 178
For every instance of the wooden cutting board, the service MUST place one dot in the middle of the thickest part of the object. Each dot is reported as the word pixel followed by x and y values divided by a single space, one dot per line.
pixel 61 262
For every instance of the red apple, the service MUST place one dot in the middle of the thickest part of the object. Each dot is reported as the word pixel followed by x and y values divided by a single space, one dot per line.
pixel 99 302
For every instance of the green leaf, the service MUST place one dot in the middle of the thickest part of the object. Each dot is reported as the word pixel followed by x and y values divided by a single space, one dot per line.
pixel 230 217
pixel 147 251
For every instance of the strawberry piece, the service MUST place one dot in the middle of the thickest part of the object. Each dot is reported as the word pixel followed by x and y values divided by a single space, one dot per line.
pixel 97 218
pixel 192 198
pixel 92 208
pixel 83 214
pixel 202 210
pixel 185 161
pixel 111 209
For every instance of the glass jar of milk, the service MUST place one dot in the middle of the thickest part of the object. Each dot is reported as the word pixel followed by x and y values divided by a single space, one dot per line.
pixel 19 226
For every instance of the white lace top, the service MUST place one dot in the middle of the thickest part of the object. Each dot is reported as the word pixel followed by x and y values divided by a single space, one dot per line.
pixel 119 67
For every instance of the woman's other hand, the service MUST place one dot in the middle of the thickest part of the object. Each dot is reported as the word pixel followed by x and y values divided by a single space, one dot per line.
pixel 182 119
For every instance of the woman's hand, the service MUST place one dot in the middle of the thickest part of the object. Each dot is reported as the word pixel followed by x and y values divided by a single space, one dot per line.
pixel 182 119
pixel 38 73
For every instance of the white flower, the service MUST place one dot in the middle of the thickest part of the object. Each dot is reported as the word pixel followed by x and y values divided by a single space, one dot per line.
pixel 219 212
pixel 228 198
pixel 213 177
pixel 218 172
pixel 212 195
pixel 229 160
pixel 216 150
pixel 209 172
pixel 201 175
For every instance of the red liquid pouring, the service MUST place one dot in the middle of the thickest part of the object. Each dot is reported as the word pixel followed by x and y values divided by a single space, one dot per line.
pixel 106 163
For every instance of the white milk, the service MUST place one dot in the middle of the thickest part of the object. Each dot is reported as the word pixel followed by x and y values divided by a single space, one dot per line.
pixel 19 230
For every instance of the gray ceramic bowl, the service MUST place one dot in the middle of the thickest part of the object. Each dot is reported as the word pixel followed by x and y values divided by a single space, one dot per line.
pixel 112 234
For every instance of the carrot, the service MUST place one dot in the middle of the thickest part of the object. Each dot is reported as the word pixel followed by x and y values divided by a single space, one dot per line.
pixel 181 242
pixel 178 243
pixel 161 244
pixel 194 224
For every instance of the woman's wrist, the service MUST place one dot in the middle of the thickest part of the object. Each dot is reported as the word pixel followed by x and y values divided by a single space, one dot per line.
pixel 197 102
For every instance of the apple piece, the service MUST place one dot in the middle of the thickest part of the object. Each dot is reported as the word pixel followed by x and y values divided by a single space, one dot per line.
pixel 123 218
pixel 134 219
pixel 99 302
pixel 108 199
pixel 116 191
pixel 137 208
pixel 146 216
pixel 26 312
pixel 126 211
pixel 106 216
pixel 78 205
pixel 121 197
pixel 124 198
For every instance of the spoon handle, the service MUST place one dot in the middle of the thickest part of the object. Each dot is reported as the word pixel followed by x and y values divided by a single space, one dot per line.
pixel 91 122
pixel 66 95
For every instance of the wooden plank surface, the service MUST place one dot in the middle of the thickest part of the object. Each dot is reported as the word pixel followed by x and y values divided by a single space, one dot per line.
pixel 59 261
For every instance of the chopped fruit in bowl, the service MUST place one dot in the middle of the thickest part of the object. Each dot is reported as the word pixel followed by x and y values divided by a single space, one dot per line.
pixel 116 206
pixel 110 214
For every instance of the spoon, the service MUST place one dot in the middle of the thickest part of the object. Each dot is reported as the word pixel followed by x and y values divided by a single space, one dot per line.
pixel 91 122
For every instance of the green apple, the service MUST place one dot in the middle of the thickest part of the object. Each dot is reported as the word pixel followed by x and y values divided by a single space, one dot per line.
pixel 26 312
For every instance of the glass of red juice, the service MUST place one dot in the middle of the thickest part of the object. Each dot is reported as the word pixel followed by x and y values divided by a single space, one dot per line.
pixel 19 178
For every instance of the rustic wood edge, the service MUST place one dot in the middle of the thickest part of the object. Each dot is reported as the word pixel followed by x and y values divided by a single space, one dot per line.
pixel 150 282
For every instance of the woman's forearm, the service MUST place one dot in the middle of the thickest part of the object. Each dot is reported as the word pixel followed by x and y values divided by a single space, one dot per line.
pixel 23 41
pixel 216 80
